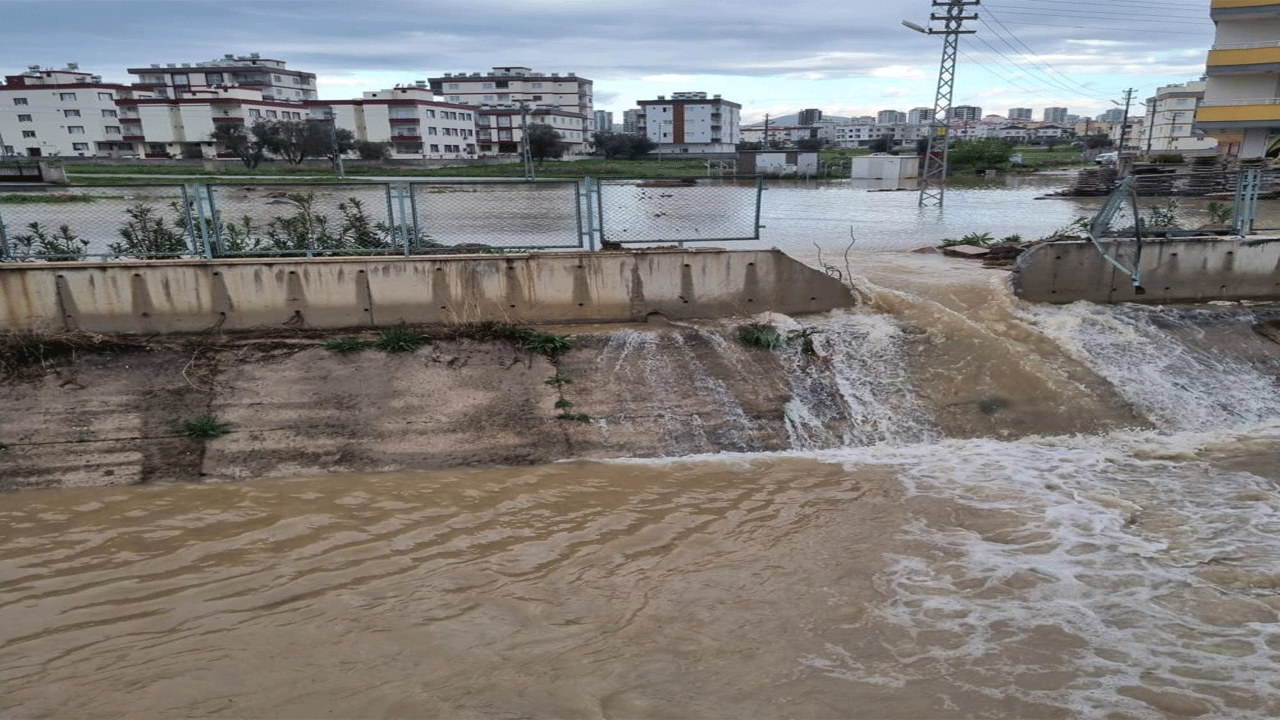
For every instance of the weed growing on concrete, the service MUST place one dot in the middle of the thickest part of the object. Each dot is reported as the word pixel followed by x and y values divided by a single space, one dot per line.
pixel 399 340
pixel 23 349
pixel 558 380
pixel 543 343
pixel 348 345
pixel 563 404
pixel 760 335
pixel 204 427
pixel 535 341
pixel 804 338
pixel 576 417
pixel 979 239
pixel 1219 212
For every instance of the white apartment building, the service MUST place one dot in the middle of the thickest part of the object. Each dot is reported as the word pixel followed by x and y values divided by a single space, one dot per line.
pixel 408 118
pixel 631 121
pixel 271 78
pixel 690 122
pixel 603 121
pixel 890 117
pixel 964 113
pixel 165 127
pixel 919 116
pixel 62 113
pixel 512 86
pixel 500 130
pixel 1019 113
pixel 1170 121
pixel 860 135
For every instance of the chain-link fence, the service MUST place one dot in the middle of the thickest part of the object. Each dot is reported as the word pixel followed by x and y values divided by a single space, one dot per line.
pixel 693 210
pixel 283 220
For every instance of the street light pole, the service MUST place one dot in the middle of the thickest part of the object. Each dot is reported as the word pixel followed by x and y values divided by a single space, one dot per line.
pixel 933 183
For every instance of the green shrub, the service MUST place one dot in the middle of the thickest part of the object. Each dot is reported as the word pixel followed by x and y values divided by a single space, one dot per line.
pixel 146 236
pixel 576 417
pixel 760 335
pixel 348 345
pixel 64 245
pixel 205 426
pixel 558 380
pixel 399 340
pixel 1220 213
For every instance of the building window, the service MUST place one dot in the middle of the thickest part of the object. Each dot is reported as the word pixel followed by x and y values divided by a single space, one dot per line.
pixel 429 113
pixel 431 131
pixel 488 98
pixel 75 129
pixel 213 78
pixel 275 78
pixel 28 133
pixel 297 80
pixel 66 96
pixel 108 113
pixel 537 98
pixel 80 147
pixel 486 86
pixel 24 118
pixel 181 79
pixel 70 113
pixel 112 129
pixel 255 113
pixel 535 86
pixel 272 114
pixel 19 101
pixel 435 148
pixel 453 86
pixel 455 98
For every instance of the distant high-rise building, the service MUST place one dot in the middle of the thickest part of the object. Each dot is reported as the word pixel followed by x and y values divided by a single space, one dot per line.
pixel 603 121
pixel 809 116
pixel 966 112
pixel 631 121
pixel 690 122
pixel 1114 115
pixel 1019 113
pixel 920 115
pixel 890 117
pixel 1055 114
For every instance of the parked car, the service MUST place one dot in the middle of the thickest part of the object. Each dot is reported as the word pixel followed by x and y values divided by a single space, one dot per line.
pixel 1107 158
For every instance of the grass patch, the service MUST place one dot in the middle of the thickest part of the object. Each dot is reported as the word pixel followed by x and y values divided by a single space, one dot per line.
pixel 19 350
pixel 205 427
pixel 399 340
pixel 535 341
pixel 558 380
pixel 760 335
pixel 32 198
pixel 575 417
pixel 348 345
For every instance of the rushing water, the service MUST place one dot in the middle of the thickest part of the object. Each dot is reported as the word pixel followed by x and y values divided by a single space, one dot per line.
pixel 1119 562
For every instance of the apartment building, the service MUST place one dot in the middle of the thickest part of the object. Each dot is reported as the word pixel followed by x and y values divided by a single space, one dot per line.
pixel 1019 113
pixel 271 78
pixel 62 113
pixel 1170 121
pixel 690 122
pixel 631 121
pixel 513 86
pixel 603 121
pixel 860 135
pixel 1241 106
pixel 408 118
pixel 1112 115
pixel 965 113
pixel 500 130
pixel 1055 115
pixel 890 117
pixel 919 116
pixel 163 127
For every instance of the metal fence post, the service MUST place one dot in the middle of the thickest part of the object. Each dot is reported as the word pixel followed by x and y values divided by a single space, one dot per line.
pixel 1245 208
pixel 759 202
pixel 590 220
pixel 402 190
pixel 4 242
pixel 197 219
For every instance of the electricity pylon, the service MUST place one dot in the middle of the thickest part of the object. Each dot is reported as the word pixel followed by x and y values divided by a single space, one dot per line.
pixel 933 183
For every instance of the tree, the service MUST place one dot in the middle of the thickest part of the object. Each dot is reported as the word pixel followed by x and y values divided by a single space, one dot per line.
pixel 1097 140
pixel 811 144
pixel 882 144
pixel 236 140
pixel 620 145
pixel 297 140
pixel 980 153
pixel 544 142
pixel 373 150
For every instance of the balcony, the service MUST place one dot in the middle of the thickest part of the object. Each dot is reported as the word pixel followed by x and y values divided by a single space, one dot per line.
pixel 1243 9
pixel 133 138
pixel 406 138
pixel 403 120
pixel 227 120
pixel 1245 58
pixel 130 120
pixel 1238 113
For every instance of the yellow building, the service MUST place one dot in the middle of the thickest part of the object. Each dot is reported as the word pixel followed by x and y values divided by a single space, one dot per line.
pixel 1241 105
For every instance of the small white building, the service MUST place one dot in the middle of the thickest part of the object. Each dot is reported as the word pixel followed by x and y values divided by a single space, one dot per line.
pixel 885 167
pixel 778 163
pixel 1170 121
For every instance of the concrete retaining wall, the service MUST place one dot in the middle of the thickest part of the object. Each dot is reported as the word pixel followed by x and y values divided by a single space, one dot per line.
pixel 1171 270
pixel 190 296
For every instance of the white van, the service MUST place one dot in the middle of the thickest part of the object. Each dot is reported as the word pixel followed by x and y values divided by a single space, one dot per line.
pixel 1107 158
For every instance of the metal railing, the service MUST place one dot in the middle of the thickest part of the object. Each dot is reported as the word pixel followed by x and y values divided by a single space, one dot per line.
pixel 145 222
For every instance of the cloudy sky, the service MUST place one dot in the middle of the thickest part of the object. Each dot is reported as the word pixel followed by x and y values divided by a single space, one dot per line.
pixel 847 57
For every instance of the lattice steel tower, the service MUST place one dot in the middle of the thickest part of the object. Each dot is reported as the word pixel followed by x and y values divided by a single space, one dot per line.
pixel 933 183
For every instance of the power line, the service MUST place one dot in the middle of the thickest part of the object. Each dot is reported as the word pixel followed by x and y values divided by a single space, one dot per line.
pixel 1031 53
pixel 1098 27
pixel 1197 6
pixel 1047 77
pixel 1090 14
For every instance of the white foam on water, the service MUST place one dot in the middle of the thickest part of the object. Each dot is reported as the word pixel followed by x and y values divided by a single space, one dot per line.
pixel 853 390
pixel 1175 385
pixel 1127 560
